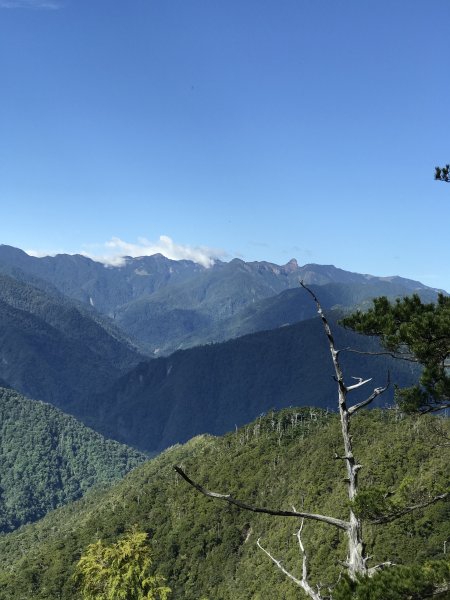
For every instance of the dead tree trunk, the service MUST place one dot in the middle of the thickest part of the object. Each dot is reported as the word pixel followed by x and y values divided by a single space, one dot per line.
pixel 356 559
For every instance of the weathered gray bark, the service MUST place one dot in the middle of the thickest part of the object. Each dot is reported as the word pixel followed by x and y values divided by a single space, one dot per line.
pixel 356 559
pixel 303 582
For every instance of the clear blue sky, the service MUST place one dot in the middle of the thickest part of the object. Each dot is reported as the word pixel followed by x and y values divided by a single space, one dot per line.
pixel 267 129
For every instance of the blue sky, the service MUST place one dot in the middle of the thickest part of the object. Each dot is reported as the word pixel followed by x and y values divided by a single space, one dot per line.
pixel 255 128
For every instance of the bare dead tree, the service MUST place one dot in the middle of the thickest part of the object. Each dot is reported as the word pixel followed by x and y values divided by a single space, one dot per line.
pixel 356 562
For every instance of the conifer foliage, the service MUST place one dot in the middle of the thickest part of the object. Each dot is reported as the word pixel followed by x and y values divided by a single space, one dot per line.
pixel 120 571
pixel 442 173
pixel 418 332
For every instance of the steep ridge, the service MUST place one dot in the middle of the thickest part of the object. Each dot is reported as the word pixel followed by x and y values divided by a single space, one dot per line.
pixel 48 459
pixel 207 549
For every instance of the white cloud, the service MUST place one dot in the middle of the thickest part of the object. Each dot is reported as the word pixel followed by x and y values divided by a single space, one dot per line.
pixel 36 4
pixel 40 253
pixel 114 251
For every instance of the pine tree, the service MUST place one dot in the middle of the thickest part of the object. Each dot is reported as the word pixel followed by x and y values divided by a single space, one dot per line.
pixel 418 332
pixel 442 173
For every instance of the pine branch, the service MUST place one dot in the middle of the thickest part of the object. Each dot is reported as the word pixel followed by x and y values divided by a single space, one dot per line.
pixel 408 509
pixel 396 355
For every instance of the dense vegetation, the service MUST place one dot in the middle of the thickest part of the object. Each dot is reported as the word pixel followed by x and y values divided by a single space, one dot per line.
pixel 48 458
pixel 120 571
pixel 207 549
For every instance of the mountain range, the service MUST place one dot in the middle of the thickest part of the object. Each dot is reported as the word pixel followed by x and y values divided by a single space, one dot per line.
pixel 253 342
pixel 166 305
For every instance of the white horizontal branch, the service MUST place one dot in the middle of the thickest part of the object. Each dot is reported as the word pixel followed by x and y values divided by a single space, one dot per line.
pixel 360 383
pixel 371 572
pixel 376 392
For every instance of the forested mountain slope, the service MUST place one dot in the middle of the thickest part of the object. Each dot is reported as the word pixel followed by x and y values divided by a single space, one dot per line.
pixel 293 305
pixel 53 349
pixel 207 549
pixel 213 388
pixel 48 459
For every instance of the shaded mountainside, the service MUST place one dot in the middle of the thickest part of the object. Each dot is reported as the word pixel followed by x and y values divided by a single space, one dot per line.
pixel 207 549
pixel 166 305
pixel 75 320
pixel 53 350
pixel 211 389
pixel 48 459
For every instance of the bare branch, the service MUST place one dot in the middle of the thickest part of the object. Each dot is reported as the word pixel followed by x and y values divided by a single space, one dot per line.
pixel 302 550
pixel 339 523
pixel 300 582
pixel 408 509
pixel 398 356
pixel 337 457
pixel 435 408
pixel 360 383
pixel 278 563
pixel 306 586
pixel 439 590
pixel 371 572
pixel 376 392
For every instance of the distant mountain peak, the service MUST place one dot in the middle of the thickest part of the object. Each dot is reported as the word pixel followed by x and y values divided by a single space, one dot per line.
pixel 291 265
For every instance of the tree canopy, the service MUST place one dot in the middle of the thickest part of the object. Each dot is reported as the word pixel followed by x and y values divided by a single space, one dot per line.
pixel 442 173
pixel 412 330
pixel 120 571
